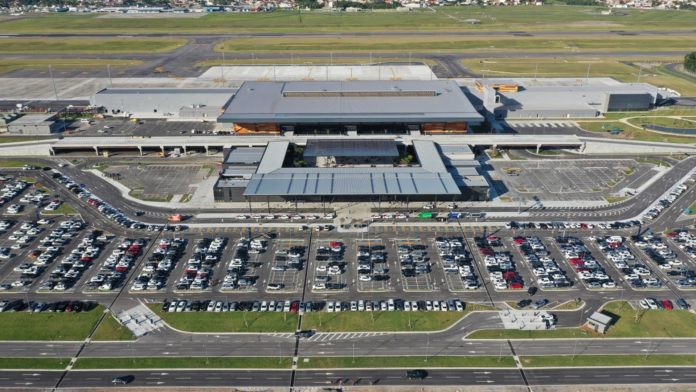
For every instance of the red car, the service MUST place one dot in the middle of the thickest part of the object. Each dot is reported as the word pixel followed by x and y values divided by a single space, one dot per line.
pixel 515 285
pixel 667 304
pixel 295 306
pixel 520 240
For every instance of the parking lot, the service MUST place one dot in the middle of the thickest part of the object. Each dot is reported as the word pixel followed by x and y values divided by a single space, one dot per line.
pixel 570 179
pixel 159 181
pixel 126 127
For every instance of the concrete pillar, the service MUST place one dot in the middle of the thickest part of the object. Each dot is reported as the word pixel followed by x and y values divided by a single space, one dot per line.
pixel 96 150
pixel 184 149
pixel 140 149
pixel 162 148
pixel 207 151
pixel 51 151
pixel 538 148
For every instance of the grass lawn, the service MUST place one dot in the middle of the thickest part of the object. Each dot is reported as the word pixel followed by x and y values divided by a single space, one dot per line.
pixel 15 163
pixel 228 322
pixel 526 18
pixel 615 199
pixel 9 65
pixel 628 323
pixel 16 139
pixel 309 60
pixel 34 363
pixel 379 321
pixel 184 362
pixel 405 362
pixel 89 45
pixel 48 326
pixel 570 305
pixel 110 329
pixel 625 69
pixel 63 209
pixel 403 44
pixel 664 122
pixel 630 133
pixel 608 360
pixel 138 194
pixel 692 207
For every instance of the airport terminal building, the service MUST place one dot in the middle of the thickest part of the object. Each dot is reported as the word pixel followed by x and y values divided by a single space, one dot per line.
pixel 351 169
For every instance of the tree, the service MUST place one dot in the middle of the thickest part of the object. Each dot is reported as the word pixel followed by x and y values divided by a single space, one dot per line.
pixel 690 62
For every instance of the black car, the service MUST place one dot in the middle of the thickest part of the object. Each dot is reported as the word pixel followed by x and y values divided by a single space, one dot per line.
pixel 305 333
pixel 416 374
pixel 524 303
pixel 121 380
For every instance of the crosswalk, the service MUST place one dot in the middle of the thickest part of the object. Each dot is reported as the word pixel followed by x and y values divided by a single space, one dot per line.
pixel 373 229
pixel 243 230
pixel 428 228
pixel 542 124
pixel 331 336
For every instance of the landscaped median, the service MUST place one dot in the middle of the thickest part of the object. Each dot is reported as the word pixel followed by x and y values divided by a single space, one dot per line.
pixel 608 360
pixel 628 323
pixel 47 325
pixel 406 362
pixel 228 321
pixel 34 363
pixel 185 363
pixel 65 326
pixel 379 321
pixel 395 321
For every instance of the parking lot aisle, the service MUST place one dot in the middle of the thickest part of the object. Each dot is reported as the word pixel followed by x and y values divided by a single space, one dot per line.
pixel 667 281
pixel 608 267
pixel 330 272
pixel 419 280
pixel 288 258
pixel 689 261
pixel 374 253
pixel 19 256
pixel 451 280
pixel 96 264
pixel 522 267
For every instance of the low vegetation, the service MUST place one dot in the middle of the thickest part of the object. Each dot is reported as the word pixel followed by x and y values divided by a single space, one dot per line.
pixel 631 133
pixel 110 329
pixel 526 18
pixel 185 363
pixel 48 326
pixel 63 209
pixel 429 43
pixel 406 362
pixel 228 322
pixel 17 163
pixel 88 45
pixel 61 65
pixel 379 321
pixel 33 363
pixel 608 360
pixel 628 323
pixel 628 69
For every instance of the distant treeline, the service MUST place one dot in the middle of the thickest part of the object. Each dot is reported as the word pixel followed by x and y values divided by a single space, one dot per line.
pixel 580 2
pixel 690 62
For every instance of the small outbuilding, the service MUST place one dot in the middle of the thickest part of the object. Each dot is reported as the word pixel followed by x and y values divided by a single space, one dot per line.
pixel 599 322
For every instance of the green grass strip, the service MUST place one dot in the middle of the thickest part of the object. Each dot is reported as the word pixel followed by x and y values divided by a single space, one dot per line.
pixel 185 363
pixel 608 360
pixel 34 363
pixel 405 362
pixel 229 321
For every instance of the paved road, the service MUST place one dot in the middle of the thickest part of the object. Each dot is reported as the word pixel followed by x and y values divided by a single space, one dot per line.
pixel 621 211
pixel 337 377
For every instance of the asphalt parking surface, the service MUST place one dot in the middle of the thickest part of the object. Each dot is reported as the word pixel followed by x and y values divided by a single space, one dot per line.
pixel 571 179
